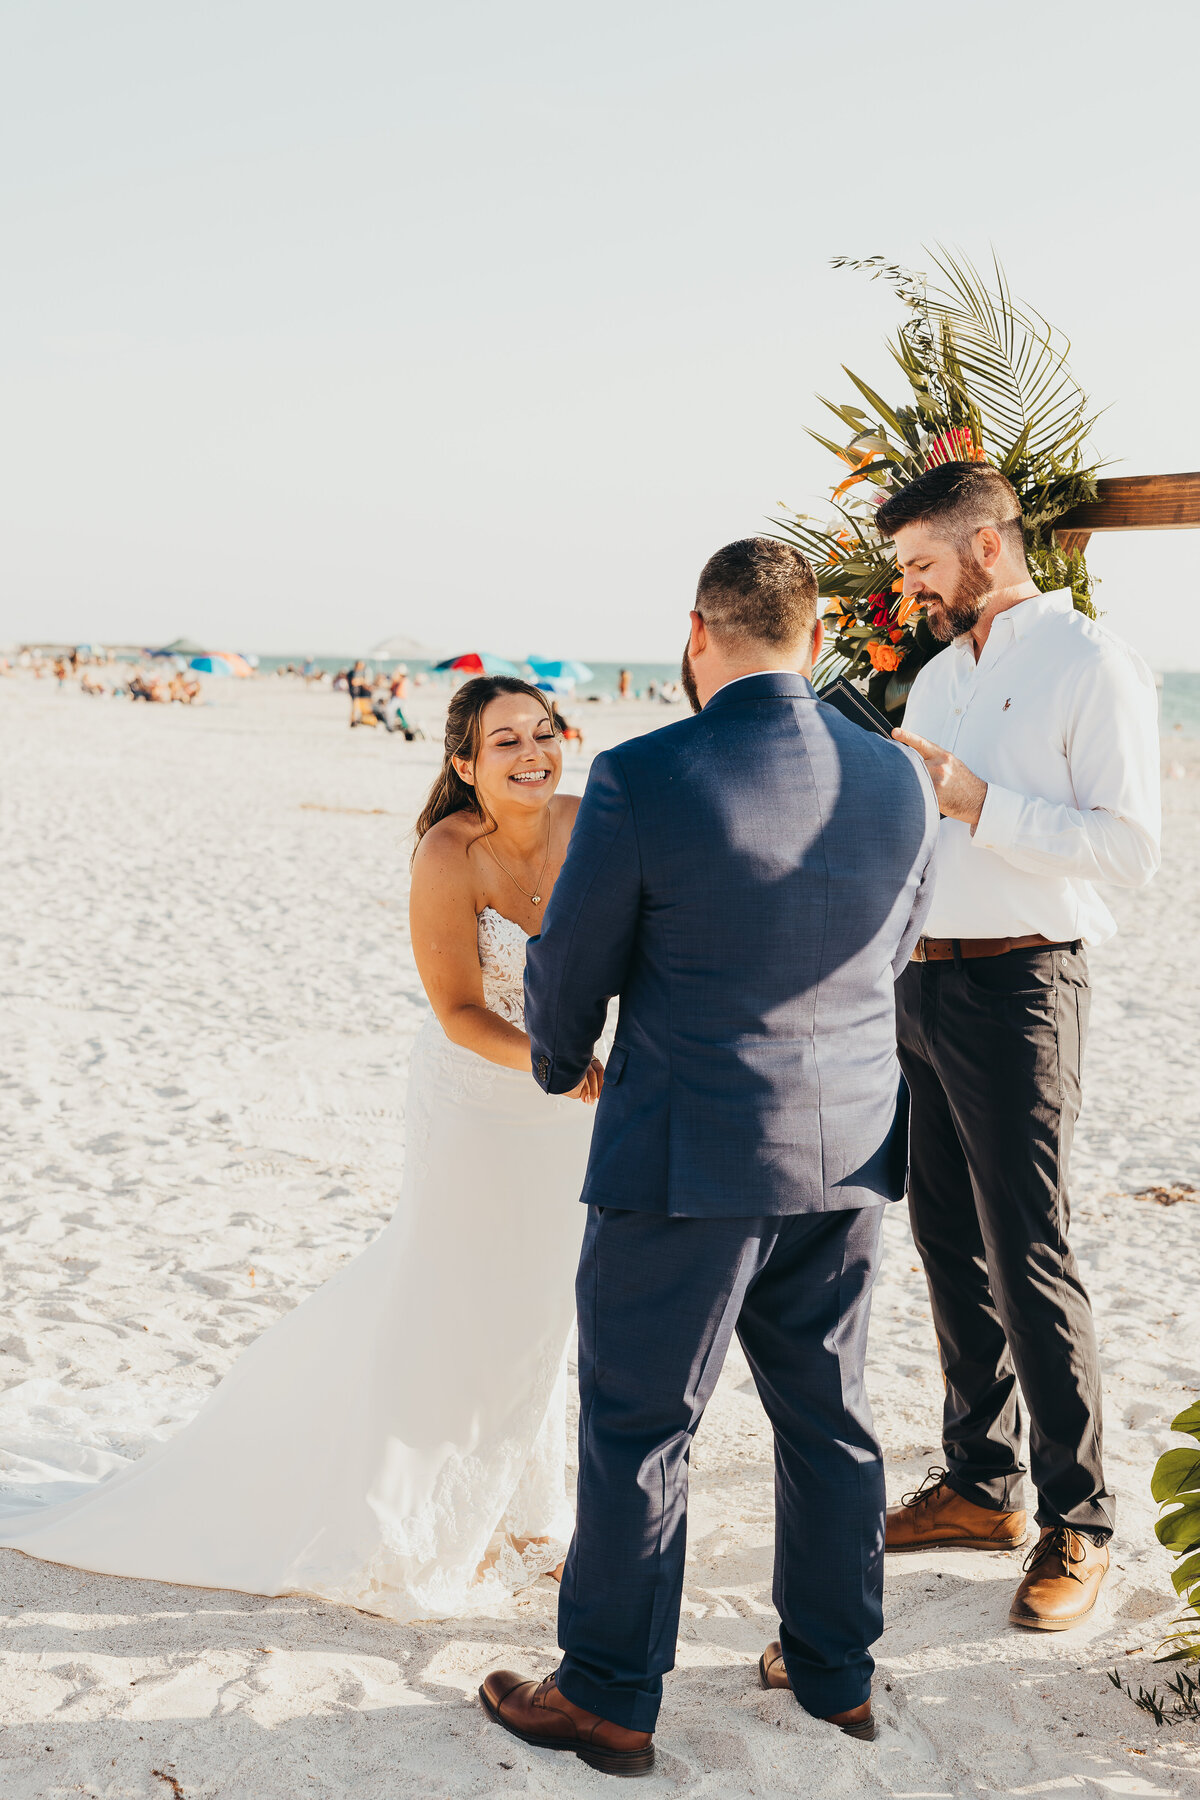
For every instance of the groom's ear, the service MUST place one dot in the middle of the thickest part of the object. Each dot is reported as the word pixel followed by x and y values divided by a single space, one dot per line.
pixel 818 638
pixel 698 642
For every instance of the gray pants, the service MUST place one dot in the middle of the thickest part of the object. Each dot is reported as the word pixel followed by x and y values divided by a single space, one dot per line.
pixel 991 1052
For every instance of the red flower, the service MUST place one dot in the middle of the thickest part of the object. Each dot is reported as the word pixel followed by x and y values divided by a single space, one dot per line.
pixel 956 445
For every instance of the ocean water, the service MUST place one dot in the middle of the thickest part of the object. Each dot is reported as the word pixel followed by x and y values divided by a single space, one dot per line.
pixel 1180 703
pixel 1179 693
pixel 605 675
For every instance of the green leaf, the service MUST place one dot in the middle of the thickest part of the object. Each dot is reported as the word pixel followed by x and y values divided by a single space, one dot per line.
pixel 1188 1420
pixel 881 406
pixel 1176 1472
pixel 828 444
pixel 1186 1575
pixel 1180 1530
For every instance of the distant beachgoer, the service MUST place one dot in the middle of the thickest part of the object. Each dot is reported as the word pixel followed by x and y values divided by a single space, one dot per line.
pixel 360 683
pixel 389 707
pixel 625 685
pixel 567 730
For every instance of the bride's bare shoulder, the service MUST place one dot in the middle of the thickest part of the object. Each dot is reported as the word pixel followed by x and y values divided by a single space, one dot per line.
pixel 442 860
pixel 566 806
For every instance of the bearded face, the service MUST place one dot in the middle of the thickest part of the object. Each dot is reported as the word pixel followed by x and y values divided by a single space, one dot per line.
pixel 960 606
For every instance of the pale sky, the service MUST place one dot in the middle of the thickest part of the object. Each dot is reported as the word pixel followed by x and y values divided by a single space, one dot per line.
pixel 488 322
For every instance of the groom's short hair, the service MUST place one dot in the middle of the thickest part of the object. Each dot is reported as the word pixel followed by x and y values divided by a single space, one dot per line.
pixel 759 590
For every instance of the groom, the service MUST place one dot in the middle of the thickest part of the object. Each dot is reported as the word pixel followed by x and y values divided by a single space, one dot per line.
pixel 750 882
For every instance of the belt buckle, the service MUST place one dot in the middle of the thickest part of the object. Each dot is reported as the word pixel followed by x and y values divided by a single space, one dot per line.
pixel 918 954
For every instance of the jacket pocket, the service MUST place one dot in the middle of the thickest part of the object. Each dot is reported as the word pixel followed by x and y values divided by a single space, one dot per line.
pixel 614 1068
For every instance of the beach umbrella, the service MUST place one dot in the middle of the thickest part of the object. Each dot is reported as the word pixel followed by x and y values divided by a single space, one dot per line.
pixel 402 648
pixel 479 662
pixel 221 662
pixel 560 668
pixel 180 647
pixel 555 684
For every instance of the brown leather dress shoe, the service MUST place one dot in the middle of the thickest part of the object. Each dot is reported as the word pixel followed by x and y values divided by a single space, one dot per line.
pixel 857 1723
pixel 934 1517
pixel 540 1716
pixel 1065 1572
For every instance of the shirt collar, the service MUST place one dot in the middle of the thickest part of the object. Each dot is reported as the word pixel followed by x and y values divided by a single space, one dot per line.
pixel 1023 618
pixel 753 676
pixel 771 684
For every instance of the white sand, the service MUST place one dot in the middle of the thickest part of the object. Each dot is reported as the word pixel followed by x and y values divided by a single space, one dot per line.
pixel 207 999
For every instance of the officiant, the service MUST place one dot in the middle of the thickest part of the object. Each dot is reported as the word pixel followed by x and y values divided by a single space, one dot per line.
pixel 1039 731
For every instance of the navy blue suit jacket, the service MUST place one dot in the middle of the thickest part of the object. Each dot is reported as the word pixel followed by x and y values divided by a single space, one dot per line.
pixel 750 881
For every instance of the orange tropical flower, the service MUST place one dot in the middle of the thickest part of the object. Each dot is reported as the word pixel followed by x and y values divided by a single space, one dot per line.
pixel 850 480
pixel 883 656
pixel 898 585
pixel 906 609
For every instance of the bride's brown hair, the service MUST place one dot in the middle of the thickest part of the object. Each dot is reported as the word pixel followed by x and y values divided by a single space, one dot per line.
pixel 464 737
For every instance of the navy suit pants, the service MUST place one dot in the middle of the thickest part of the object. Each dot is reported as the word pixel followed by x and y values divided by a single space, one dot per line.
pixel 659 1299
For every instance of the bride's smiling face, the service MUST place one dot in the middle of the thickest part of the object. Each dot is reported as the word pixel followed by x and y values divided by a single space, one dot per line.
pixel 520 757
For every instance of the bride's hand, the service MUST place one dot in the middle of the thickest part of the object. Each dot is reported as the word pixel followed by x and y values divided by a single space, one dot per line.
pixel 590 1087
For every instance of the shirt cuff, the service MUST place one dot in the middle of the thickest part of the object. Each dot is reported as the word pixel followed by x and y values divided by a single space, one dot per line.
pixel 998 819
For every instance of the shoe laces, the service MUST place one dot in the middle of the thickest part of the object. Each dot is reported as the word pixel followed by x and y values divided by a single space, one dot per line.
pixel 1063 1543
pixel 934 1479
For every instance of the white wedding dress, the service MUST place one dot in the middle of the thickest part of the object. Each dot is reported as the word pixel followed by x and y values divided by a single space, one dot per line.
pixel 406 1421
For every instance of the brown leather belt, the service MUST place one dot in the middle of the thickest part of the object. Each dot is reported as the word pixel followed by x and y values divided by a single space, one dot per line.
pixel 949 949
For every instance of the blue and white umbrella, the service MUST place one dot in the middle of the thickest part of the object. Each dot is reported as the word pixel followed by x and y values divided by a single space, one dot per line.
pixel 560 669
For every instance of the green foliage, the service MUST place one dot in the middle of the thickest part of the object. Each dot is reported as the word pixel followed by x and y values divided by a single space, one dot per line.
pixel 1186 1704
pixel 988 381
pixel 1175 1484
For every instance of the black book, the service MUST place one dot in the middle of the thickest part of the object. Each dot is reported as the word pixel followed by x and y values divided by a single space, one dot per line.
pixel 854 706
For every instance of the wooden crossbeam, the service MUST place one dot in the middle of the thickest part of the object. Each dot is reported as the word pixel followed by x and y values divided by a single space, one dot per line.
pixel 1134 503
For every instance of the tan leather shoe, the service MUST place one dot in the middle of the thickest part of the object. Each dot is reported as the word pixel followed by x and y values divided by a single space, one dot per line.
pixel 1065 1572
pixel 540 1716
pixel 934 1517
pixel 857 1723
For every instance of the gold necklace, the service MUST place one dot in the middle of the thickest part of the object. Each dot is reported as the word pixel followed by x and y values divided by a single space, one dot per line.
pixel 535 899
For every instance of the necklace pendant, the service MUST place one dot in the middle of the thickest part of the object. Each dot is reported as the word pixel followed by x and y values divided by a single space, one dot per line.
pixel 536 899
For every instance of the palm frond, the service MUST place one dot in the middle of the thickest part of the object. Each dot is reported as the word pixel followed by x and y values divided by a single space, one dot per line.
pixel 1013 363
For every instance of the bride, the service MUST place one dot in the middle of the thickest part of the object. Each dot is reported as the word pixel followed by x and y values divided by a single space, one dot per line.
pixel 398 1441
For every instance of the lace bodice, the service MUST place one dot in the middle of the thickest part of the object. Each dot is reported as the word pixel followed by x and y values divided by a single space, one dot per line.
pixel 502 945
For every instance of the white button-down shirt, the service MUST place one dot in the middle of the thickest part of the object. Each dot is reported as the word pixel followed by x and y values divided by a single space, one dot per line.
pixel 1060 718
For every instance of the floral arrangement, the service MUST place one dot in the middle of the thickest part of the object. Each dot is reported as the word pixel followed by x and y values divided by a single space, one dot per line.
pixel 989 382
